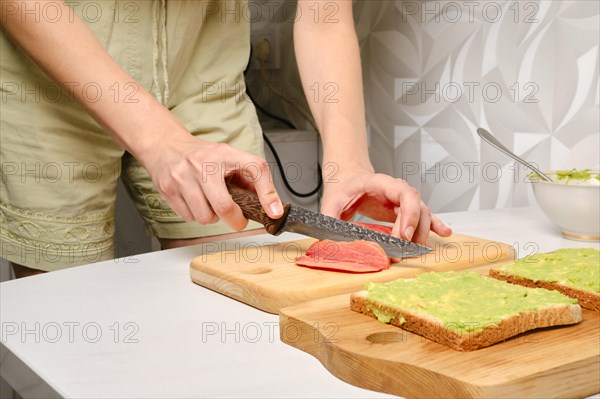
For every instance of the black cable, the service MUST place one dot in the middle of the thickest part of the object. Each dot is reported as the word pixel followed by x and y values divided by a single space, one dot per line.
pixel 274 152
pixel 269 114
pixel 284 177
pixel 278 160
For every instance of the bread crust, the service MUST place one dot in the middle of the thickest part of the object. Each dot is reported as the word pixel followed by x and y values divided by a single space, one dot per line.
pixel 586 299
pixel 435 330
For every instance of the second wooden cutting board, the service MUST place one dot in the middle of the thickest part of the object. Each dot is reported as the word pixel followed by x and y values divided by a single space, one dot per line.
pixel 556 362
pixel 267 278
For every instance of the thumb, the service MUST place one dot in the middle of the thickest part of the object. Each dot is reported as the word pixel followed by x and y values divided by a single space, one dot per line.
pixel 329 207
pixel 339 208
pixel 332 204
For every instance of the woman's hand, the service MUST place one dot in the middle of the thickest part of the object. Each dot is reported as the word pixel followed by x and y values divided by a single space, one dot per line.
pixel 381 197
pixel 190 174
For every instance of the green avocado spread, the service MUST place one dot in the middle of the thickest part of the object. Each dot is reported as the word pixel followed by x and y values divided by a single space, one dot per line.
pixel 462 301
pixel 575 174
pixel 579 177
pixel 575 267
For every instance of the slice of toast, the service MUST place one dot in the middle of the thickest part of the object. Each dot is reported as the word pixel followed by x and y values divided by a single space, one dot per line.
pixel 555 271
pixel 464 334
pixel 587 299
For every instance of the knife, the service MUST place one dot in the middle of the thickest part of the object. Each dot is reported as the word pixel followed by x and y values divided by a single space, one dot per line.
pixel 296 219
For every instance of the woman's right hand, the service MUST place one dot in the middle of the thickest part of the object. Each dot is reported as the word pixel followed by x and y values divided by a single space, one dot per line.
pixel 190 174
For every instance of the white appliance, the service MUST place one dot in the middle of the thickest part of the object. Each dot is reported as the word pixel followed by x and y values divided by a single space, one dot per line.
pixel 299 152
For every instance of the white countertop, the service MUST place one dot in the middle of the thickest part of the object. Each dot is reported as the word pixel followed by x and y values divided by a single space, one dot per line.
pixel 139 327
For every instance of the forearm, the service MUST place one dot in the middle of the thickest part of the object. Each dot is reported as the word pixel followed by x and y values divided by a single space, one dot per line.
pixel 70 54
pixel 334 85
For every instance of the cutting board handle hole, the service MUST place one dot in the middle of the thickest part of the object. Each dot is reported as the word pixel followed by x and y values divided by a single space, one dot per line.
pixel 258 270
pixel 386 337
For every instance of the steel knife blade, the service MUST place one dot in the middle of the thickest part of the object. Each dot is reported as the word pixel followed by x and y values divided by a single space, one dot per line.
pixel 303 221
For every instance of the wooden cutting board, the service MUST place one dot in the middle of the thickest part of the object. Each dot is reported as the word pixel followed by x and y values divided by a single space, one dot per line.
pixel 267 278
pixel 553 362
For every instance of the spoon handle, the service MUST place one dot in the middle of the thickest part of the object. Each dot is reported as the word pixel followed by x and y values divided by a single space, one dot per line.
pixel 488 137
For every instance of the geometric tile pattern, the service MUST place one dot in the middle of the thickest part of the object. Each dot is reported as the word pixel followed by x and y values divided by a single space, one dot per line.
pixel 436 70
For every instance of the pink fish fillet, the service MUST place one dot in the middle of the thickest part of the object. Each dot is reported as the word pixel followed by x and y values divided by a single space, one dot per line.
pixel 352 257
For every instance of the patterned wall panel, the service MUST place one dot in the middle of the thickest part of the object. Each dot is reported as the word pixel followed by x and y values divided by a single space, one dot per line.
pixel 436 70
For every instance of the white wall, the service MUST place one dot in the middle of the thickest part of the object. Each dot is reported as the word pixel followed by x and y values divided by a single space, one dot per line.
pixel 526 70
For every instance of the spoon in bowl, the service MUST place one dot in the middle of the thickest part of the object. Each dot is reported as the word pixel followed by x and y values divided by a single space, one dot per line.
pixel 490 139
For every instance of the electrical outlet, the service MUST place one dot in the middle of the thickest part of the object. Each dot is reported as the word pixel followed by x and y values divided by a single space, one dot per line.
pixel 269 32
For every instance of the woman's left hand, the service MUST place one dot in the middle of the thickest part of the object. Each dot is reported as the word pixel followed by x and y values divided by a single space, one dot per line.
pixel 381 197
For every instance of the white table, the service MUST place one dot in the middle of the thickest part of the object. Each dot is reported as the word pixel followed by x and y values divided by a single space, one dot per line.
pixel 140 328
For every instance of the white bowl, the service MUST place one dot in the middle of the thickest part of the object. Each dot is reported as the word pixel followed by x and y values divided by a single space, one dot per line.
pixel 575 208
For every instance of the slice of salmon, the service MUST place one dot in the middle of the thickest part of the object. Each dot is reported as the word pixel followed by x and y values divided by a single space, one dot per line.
pixel 352 257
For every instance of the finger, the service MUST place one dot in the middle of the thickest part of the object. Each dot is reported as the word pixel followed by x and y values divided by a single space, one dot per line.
pixel 396 226
pixel 169 193
pixel 222 204
pixel 260 174
pixel 410 209
pixel 200 207
pixel 184 186
pixel 330 209
pixel 422 231
pixel 332 206
pixel 179 206
pixel 438 227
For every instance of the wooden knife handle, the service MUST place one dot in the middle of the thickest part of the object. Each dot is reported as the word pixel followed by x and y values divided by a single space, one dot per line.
pixel 252 209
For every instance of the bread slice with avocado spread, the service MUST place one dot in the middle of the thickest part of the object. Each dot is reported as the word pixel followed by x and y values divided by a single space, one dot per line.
pixel 464 310
pixel 573 271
